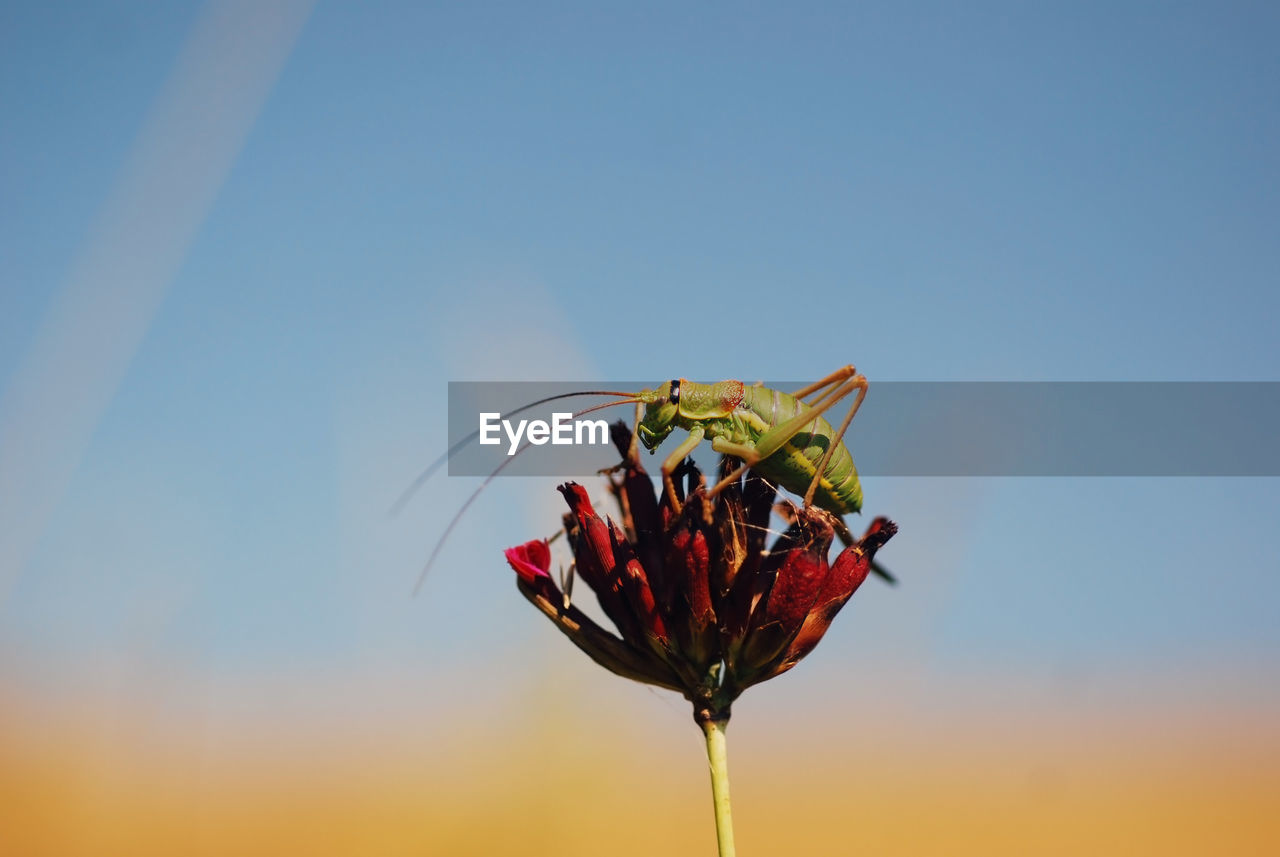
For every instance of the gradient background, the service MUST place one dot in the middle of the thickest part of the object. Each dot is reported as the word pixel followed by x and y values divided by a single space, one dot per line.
pixel 244 246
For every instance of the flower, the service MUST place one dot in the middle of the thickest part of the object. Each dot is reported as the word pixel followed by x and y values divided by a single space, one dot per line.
pixel 700 605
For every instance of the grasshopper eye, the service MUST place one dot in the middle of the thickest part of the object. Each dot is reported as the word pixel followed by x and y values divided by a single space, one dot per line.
pixel 674 395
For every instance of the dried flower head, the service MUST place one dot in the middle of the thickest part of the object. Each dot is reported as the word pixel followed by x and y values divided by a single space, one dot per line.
pixel 701 604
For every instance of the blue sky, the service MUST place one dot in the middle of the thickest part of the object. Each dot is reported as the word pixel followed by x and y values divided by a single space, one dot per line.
pixel 493 191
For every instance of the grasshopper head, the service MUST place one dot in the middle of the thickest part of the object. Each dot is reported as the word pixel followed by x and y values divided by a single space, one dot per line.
pixel 662 406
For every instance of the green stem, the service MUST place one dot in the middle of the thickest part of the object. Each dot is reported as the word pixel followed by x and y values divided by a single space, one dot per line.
pixel 720 784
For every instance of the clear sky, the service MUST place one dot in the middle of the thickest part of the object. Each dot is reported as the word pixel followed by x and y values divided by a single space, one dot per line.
pixel 243 251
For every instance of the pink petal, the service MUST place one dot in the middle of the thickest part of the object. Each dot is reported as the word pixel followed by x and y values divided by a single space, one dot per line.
pixel 530 560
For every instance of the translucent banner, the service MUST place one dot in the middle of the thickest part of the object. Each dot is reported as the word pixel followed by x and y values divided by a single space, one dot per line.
pixel 913 428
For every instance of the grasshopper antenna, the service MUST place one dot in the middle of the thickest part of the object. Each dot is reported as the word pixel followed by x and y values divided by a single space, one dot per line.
pixel 431 468
pixel 462 511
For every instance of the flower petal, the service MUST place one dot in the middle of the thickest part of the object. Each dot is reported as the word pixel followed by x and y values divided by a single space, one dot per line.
pixel 592 542
pixel 530 560
pixel 782 611
pixel 847 574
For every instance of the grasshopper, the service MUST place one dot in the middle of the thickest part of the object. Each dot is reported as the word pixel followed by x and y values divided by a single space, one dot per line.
pixel 777 434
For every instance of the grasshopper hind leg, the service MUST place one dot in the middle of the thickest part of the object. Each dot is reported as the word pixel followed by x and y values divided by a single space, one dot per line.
pixel 859 383
pixel 838 385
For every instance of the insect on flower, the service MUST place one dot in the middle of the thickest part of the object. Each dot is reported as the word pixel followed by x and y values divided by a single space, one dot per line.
pixel 782 437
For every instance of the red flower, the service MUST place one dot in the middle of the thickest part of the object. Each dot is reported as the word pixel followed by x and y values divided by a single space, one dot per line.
pixel 530 560
pixel 700 606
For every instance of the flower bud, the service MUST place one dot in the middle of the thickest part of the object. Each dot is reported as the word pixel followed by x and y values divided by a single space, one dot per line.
pixel 699 604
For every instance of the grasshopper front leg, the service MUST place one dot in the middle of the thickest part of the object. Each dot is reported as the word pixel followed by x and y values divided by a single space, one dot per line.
pixel 679 454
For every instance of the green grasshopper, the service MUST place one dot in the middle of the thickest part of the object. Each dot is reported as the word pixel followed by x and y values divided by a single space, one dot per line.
pixel 778 435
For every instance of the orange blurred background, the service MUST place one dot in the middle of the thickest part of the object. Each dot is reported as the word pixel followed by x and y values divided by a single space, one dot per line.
pixel 569 761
